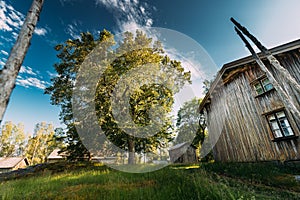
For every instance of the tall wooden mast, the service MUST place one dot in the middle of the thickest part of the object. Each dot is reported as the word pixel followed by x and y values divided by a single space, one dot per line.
pixel 274 62
pixel 285 96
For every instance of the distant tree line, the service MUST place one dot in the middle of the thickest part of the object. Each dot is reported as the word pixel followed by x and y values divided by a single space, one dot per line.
pixel 14 142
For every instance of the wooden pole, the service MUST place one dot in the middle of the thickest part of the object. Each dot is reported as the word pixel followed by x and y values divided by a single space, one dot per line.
pixel 274 62
pixel 282 94
pixel 9 73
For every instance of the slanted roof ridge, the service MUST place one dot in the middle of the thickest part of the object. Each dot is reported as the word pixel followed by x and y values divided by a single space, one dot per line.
pixel 245 60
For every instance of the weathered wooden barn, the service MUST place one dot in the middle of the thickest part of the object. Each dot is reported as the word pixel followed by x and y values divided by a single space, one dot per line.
pixel 244 106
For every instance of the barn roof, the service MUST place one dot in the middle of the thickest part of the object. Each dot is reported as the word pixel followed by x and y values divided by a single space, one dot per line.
pixel 242 62
pixel 11 162
pixel 56 155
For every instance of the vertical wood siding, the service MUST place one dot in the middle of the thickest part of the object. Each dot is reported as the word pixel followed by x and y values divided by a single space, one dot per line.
pixel 246 135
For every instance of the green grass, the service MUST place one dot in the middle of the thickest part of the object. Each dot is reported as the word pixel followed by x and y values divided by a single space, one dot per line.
pixel 205 181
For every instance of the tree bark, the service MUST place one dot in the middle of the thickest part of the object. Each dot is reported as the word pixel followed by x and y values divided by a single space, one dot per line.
pixel 131 149
pixel 9 73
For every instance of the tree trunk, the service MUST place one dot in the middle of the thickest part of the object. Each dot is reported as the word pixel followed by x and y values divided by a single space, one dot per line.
pixel 9 73
pixel 131 149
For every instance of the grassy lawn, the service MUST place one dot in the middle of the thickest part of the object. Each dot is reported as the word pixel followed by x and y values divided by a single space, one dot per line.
pixel 204 181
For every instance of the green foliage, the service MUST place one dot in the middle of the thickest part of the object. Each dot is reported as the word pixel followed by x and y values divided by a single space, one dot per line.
pixel 71 54
pixel 267 173
pixel 144 98
pixel 88 181
pixel 207 84
pixel 12 140
pixel 36 148
pixel 188 123
pixel 41 144
pixel 133 51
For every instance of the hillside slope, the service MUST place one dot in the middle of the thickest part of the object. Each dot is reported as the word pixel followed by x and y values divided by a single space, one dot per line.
pixel 204 181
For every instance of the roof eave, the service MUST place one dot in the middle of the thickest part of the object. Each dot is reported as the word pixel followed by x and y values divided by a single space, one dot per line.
pixel 246 60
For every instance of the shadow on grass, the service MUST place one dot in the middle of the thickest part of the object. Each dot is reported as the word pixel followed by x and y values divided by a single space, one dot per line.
pixel 202 181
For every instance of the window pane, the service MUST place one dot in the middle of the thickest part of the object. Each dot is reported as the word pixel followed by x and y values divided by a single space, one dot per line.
pixel 290 131
pixel 280 125
pixel 265 81
pixel 287 131
pixel 278 133
pixel 284 123
pixel 274 125
pixel 258 88
pixel 266 84
pixel 280 115
pixel 268 87
pixel 271 117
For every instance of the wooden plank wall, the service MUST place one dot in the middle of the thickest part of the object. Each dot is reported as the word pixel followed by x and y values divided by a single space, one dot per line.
pixel 238 115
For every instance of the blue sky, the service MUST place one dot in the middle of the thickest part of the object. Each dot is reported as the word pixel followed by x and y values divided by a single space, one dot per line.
pixel 274 22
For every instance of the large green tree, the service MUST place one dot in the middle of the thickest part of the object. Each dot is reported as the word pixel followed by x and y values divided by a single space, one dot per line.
pixel 134 51
pixel 190 127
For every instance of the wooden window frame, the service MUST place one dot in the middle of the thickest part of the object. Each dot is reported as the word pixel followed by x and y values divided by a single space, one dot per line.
pixel 259 81
pixel 283 138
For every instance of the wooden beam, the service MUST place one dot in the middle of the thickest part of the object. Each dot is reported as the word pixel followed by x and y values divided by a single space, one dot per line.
pixel 274 62
pixel 263 49
pixel 287 101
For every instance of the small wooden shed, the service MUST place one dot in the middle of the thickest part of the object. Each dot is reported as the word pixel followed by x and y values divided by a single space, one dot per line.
pixel 55 156
pixel 12 163
pixel 183 153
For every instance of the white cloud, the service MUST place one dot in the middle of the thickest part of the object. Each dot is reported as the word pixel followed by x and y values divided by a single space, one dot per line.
pixel 74 30
pixel 27 70
pixel 129 14
pixel 15 35
pixel 142 10
pixel 4 52
pixel 2 63
pixel 62 2
pixel 27 77
pixel 10 19
pixel 149 22
pixel 6 39
pixel 40 31
pixel 130 26
pixel 189 62
pixel 52 75
pixel 2 60
pixel 31 82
